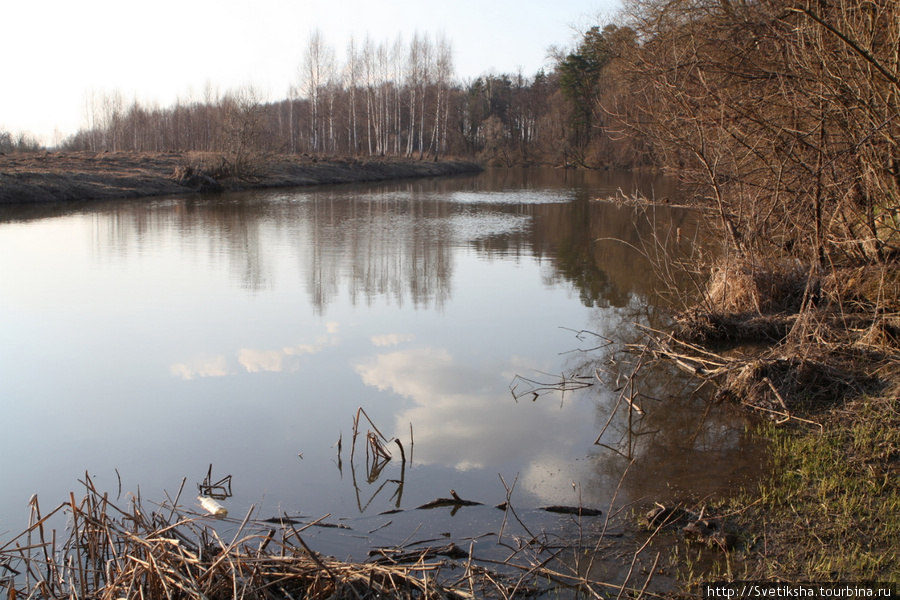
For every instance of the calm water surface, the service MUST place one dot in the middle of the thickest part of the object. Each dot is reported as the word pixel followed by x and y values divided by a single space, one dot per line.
pixel 143 341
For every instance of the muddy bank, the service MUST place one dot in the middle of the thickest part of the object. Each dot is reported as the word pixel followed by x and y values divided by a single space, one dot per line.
pixel 67 176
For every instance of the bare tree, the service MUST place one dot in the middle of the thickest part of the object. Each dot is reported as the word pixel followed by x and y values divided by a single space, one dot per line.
pixel 425 74
pixel 443 68
pixel 785 111
pixel 414 68
pixel 318 65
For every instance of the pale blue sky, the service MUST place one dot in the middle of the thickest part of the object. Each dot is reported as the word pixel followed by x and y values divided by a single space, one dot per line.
pixel 58 51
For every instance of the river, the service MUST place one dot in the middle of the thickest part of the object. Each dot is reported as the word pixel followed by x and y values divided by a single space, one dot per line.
pixel 160 341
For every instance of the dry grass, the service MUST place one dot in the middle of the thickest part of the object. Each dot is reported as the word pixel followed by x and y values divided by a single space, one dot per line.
pixel 170 553
pixel 870 288
pixel 110 552
pixel 819 340
pixel 742 287
pixel 703 327
pixel 784 386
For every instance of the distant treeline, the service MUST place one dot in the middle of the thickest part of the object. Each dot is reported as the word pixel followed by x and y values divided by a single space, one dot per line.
pixel 21 142
pixel 398 98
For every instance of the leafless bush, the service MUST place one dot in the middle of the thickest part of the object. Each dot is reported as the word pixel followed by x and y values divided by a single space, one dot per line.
pixel 243 132
pixel 784 115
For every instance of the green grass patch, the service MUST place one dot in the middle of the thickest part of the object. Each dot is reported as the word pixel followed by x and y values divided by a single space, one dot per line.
pixel 828 512
pixel 831 509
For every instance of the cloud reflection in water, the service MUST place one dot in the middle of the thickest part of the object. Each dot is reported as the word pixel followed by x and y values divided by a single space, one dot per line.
pixel 464 415
pixel 285 359
pixel 257 361
pixel 201 366
pixel 392 339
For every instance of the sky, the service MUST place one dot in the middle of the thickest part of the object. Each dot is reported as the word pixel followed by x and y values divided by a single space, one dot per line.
pixel 57 53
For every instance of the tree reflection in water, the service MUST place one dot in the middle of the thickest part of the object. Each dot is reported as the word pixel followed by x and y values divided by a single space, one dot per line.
pixel 268 317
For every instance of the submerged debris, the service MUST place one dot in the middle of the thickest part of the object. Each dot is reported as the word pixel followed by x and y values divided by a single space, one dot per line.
pixel 455 501
pixel 694 527
pixel 573 510
pixel 664 516
pixel 395 556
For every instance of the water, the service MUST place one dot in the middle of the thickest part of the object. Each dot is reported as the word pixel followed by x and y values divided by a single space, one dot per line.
pixel 144 341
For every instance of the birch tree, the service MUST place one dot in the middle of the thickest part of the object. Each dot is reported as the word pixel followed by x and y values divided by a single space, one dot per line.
pixel 414 68
pixel 353 76
pixel 318 63
pixel 443 76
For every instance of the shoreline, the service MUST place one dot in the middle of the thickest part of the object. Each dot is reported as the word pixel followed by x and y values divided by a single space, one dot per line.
pixel 49 177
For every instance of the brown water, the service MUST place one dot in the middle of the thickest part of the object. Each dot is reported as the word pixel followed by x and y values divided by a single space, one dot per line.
pixel 145 340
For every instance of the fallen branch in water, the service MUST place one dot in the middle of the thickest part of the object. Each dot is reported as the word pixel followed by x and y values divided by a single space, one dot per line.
pixel 455 502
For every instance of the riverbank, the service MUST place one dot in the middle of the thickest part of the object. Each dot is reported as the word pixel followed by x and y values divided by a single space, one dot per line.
pixel 71 176
pixel 816 355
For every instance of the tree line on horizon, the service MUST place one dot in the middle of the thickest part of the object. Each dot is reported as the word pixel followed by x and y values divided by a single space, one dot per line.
pixel 20 142
pixel 384 98
pixel 784 113
pixel 389 98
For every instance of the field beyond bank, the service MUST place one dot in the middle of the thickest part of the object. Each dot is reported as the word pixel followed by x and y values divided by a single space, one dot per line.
pixel 72 176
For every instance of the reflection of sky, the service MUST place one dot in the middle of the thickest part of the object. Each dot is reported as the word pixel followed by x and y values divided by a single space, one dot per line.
pixel 509 196
pixel 465 416
pixel 478 226
pixel 283 359
pixel 513 197
pixel 254 360
pixel 201 366
pixel 392 339
pixel 138 339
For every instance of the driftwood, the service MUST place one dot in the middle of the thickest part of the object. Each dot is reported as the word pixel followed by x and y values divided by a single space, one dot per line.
pixel 455 501
pixel 573 510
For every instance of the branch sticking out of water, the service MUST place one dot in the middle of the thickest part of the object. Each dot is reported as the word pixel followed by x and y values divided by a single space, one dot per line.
pixel 522 386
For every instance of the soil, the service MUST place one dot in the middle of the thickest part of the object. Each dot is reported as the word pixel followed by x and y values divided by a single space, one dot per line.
pixel 69 176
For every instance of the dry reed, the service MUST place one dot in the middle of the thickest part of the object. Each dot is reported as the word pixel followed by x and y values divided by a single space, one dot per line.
pixel 111 552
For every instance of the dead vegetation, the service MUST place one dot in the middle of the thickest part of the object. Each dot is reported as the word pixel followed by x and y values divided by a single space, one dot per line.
pixel 172 551
pixel 785 339
pixel 178 549
pixel 781 117
pixel 817 353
